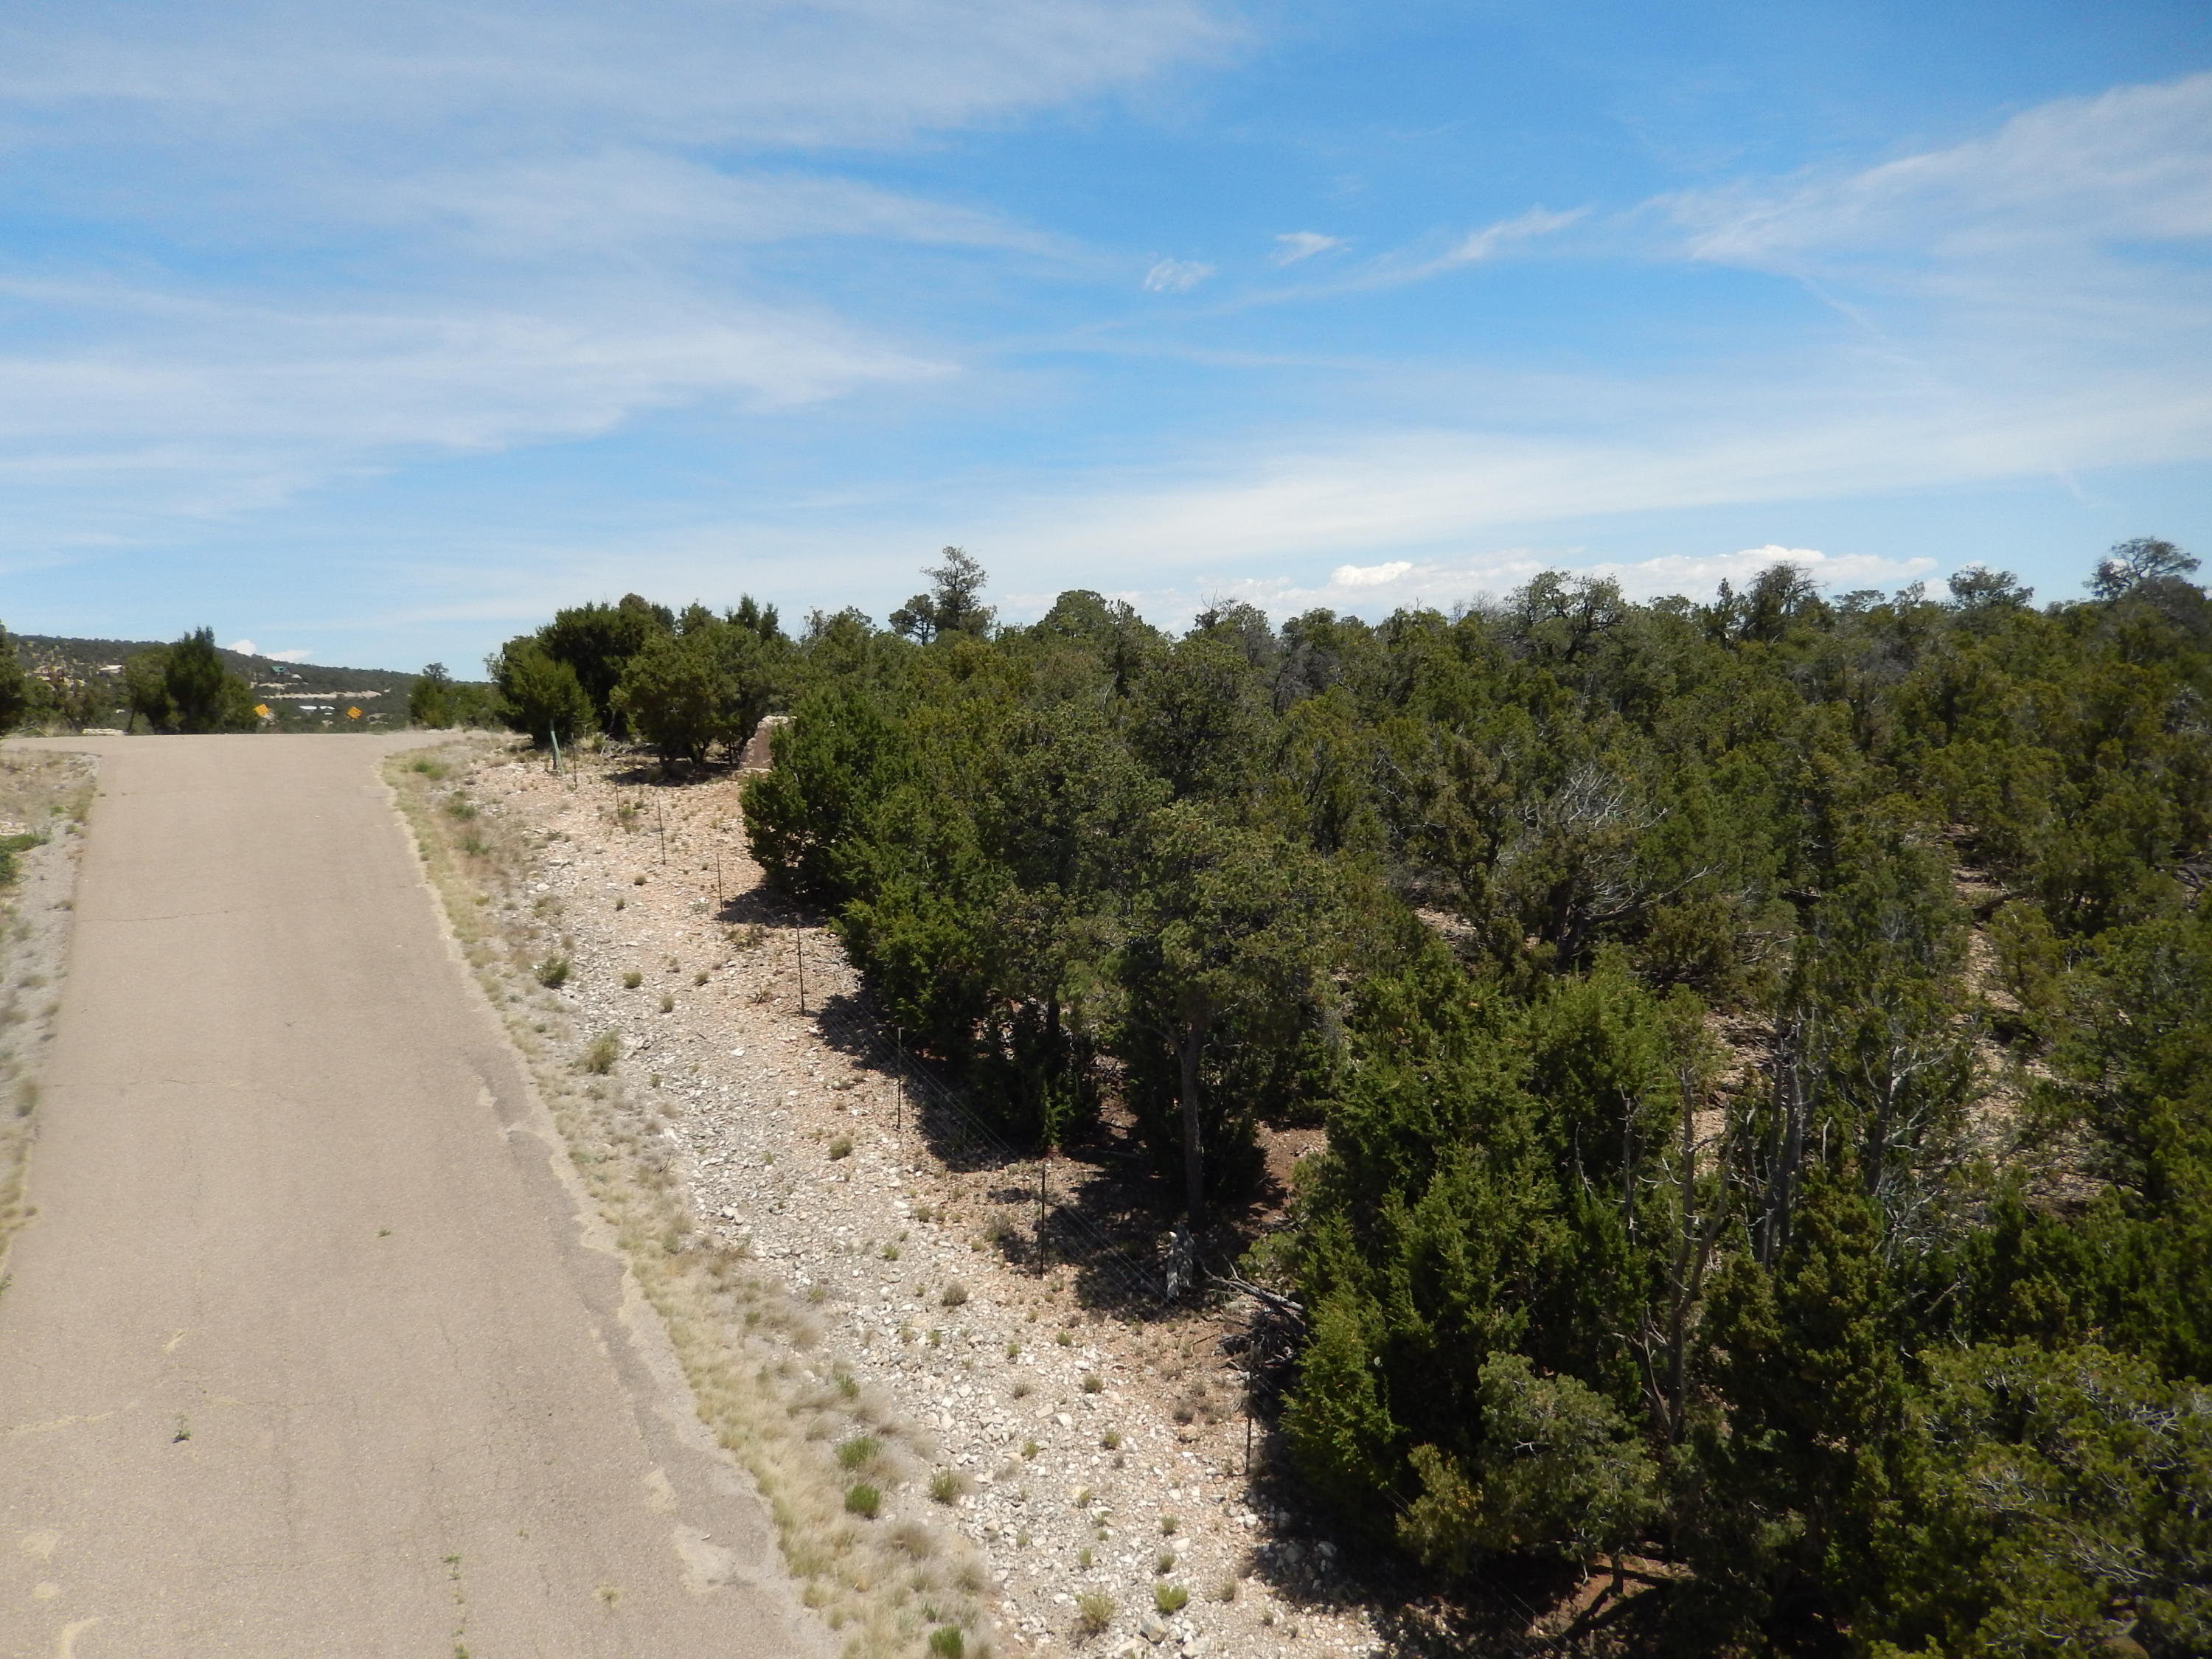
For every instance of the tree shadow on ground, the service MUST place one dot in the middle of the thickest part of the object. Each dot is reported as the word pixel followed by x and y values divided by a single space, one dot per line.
pixel 633 770
pixel 759 907
pixel 1516 1608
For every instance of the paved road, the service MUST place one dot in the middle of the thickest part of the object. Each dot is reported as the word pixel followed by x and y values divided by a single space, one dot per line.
pixel 307 1352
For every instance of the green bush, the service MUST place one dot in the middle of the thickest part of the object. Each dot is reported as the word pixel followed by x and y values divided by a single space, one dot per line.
pixel 863 1499
pixel 540 694
pixel 859 1451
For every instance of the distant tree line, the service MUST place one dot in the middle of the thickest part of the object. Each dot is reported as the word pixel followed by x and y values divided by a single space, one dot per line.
pixel 1764 1046
pixel 186 686
pixel 183 687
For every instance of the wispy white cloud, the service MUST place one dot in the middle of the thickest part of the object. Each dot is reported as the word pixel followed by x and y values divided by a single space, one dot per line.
pixel 1355 495
pixel 2073 236
pixel 774 72
pixel 1176 276
pixel 281 399
pixel 2072 177
pixel 1476 248
pixel 524 187
pixel 2031 302
pixel 627 201
pixel 1293 246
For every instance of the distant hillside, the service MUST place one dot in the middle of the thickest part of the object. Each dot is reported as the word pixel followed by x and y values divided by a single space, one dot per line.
pixel 82 659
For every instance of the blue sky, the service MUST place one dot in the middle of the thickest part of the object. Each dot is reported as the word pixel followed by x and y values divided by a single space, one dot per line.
pixel 375 333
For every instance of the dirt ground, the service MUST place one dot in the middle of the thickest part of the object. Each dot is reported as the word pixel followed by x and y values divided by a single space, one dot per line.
pixel 1092 1456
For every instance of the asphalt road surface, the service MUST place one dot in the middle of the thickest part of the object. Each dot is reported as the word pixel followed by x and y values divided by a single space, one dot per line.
pixel 310 1349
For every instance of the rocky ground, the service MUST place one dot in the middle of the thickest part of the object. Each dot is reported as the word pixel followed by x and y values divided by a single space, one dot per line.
pixel 1097 1458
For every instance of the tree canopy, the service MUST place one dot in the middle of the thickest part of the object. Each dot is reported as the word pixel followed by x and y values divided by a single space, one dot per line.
pixel 684 683
pixel 1765 1049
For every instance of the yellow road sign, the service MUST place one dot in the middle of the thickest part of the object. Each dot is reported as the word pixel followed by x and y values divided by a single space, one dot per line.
pixel 352 714
pixel 262 709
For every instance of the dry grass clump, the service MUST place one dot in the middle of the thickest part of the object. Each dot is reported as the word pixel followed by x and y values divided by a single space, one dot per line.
pixel 887 1590
pixel 600 1057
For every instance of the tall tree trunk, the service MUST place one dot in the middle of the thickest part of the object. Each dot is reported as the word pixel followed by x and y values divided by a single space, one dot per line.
pixel 1188 1042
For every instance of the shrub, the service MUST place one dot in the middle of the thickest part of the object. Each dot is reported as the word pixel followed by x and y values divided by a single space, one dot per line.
pixel 1163 1564
pixel 1094 1611
pixel 955 1294
pixel 944 1486
pixel 1093 1382
pixel 1170 1598
pixel 600 1058
pixel 863 1500
pixel 538 694
pixel 553 972
pixel 632 980
pixel 946 1643
pixel 840 1147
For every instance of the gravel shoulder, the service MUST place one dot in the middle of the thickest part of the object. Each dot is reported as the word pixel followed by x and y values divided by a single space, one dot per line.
pixel 43 796
pixel 1094 1464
